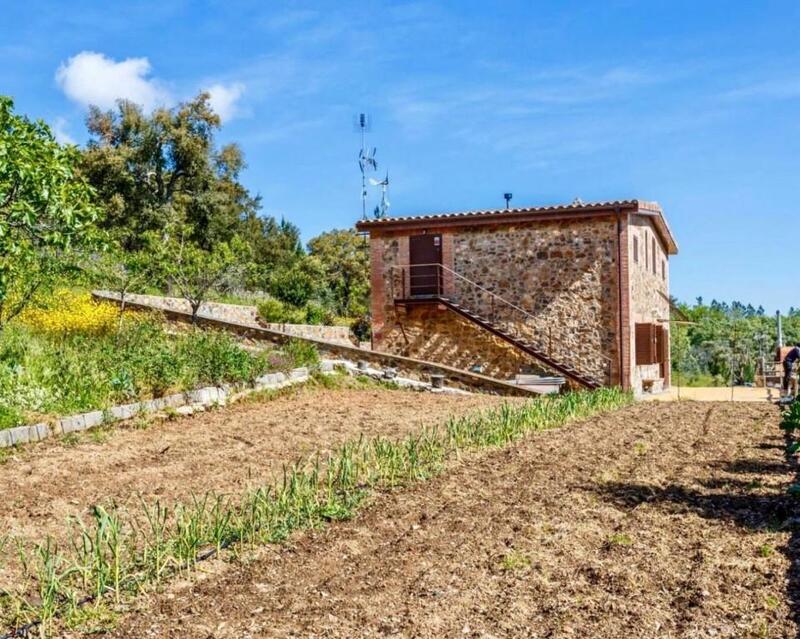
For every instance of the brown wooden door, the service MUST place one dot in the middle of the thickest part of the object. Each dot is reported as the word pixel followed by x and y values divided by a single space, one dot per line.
pixel 425 256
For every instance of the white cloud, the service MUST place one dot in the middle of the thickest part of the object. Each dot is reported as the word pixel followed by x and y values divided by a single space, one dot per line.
pixel 224 98
pixel 60 132
pixel 92 78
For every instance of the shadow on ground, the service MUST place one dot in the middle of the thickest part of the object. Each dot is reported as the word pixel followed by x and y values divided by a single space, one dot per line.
pixel 731 502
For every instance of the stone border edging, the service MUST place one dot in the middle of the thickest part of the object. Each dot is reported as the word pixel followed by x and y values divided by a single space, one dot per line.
pixel 188 402
pixel 205 397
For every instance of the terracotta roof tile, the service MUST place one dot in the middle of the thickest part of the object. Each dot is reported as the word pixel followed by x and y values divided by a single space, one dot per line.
pixel 651 208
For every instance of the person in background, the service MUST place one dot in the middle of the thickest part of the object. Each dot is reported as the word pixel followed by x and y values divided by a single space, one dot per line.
pixel 788 366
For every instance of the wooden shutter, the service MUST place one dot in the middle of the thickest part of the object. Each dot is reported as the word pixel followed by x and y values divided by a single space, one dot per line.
pixel 645 344
pixel 660 345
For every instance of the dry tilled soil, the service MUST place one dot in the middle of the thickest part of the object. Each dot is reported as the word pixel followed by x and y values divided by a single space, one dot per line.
pixel 226 451
pixel 661 520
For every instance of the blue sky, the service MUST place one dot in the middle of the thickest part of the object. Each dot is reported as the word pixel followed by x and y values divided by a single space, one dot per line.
pixel 692 104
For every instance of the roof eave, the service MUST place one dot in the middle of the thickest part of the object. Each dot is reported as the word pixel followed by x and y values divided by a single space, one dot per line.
pixel 663 227
pixel 519 214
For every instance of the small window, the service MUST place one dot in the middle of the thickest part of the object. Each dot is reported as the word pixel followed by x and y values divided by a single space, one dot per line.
pixel 646 252
pixel 654 255
pixel 635 250
pixel 664 270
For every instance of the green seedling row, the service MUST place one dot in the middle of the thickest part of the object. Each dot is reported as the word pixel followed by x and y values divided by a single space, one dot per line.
pixel 120 553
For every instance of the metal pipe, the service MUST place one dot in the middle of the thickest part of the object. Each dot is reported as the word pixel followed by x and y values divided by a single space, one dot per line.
pixel 780 329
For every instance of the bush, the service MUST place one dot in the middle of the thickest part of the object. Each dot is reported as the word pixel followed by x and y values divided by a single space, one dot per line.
pixel 68 312
pixel 214 358
pixel 9 417
pixel 316 313
pixel 362 329
pixel 301 353
pixel 45 373
pixel 277 312
pixel 272 310
pixel 299 283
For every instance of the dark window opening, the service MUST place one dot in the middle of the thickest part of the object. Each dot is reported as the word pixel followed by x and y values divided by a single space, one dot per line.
pixel 635 250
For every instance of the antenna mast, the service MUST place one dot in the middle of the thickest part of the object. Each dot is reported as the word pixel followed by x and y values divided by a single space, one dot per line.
pixel 366 159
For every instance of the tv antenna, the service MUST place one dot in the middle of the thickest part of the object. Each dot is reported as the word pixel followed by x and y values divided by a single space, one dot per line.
pixel 366 158
pixel 383 208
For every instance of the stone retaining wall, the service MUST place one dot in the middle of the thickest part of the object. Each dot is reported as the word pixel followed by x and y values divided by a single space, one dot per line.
pixel 337 334
pixel 195 399
pixel 405 366
pixel 236 313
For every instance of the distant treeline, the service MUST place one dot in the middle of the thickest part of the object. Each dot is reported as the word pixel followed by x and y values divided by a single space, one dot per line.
pixel 716 343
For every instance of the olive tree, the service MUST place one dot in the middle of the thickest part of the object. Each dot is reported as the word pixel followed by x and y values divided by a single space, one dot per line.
pixel 196 273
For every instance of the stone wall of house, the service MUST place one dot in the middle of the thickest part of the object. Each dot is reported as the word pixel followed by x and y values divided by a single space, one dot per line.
pixel 560 275
pixel 648 274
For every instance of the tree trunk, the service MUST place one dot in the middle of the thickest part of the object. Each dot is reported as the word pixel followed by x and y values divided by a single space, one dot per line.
pixel 195 311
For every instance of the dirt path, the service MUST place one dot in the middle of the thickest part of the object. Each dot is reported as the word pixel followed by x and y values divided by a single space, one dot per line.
pixel 658 521
pixel 224 450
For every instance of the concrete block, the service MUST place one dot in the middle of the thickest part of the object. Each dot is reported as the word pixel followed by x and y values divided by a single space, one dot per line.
pixel 124 411
pixel 72 424
pixel 327 366
pixel 173 401
pixel 276 379
pixel 207 395
pixel 298 373
pixel 95 418
pixel 150 406
pixel 5 438
pixel 39 432
pixel 19 435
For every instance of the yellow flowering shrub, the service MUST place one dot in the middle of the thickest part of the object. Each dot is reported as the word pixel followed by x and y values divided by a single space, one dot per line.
pixel 69 312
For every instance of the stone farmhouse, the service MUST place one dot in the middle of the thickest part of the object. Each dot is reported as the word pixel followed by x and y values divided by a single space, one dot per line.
pixel 579 291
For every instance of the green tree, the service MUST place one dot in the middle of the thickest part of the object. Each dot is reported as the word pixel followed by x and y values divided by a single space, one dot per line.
pixel 725 342
pixel 196 272
pixel 154 173
pixel 46 209
pixel 122 271
pixel 301 282
pixel 345 261
pixel 275 247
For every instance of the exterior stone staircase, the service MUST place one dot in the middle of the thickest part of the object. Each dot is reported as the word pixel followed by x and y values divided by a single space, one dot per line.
pixel 528 347
pixel 434 277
